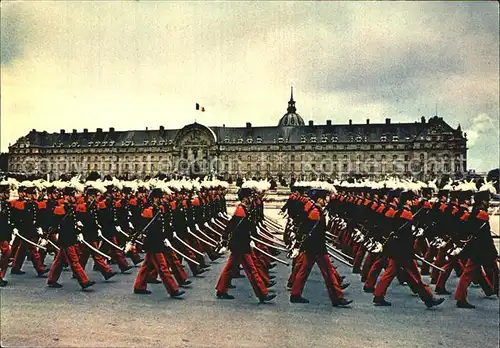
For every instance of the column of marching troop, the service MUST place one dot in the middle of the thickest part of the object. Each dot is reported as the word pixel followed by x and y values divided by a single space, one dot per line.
pixel 110 221
pixel 387 226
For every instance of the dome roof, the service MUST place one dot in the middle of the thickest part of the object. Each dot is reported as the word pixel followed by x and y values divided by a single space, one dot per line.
pixel 291 118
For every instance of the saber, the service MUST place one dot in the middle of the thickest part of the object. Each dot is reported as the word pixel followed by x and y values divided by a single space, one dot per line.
pixel 53 244
pixel 205 235
pixel 273 224
pixel 16 232
pixel 211 229
pixel 270 239
pixel 201 239
pixel 189 246
pixel 217 223
pixel 110 242
pixel 97 251
pixel 339 259
pixel 271 229
pixel 269 245
pixel 271 256
pixel 418 257
pixel 268 218
pixel 339 252
pixel 168 244
pixel 222 222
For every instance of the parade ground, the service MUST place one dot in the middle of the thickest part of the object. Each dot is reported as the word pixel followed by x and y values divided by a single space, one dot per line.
pixel 110 315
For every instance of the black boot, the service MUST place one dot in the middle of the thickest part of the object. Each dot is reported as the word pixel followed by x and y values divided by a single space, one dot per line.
pixel 109 275
pixel 142 292
pixel 3 283
pixel 272 265
pixel 177 294
pixel 298 299
pixel 16 271
pixel 224 296
pixel 128 268
pixel 465 304
pixel 186 283
pixel 54 285
pixel 433 302
pixel 380 301
pixel 271 284
pixel 267 298
pixel 368 290
pixel 87 284
pixel 43 273
pixel 231 286
pixel 341 302
pixel 200 271
pixel 344 286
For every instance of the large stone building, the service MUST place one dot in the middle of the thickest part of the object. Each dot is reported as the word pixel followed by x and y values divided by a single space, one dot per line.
pixel 424 149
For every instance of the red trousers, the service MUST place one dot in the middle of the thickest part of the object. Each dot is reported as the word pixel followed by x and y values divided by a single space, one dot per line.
pixel 307 262
pixel 448 267
pixel 174 265
pixel 260 269
pixel 253 276
pixel 366 266
pixel 429 257
pixel 99 261
pixel 412 275
pixel 4 259
pixel 471 272
pixel 358 259
pixel 67 254
pixel 116 255
pixel 157 261
pixel 23 249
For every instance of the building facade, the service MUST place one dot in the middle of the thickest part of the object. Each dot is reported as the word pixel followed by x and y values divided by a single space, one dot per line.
pixel 423 150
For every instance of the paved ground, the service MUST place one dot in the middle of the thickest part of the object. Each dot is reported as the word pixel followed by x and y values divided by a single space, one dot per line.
pixel 111 316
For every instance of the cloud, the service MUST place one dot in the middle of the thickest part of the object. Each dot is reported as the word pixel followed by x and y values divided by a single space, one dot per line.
pixel 132 65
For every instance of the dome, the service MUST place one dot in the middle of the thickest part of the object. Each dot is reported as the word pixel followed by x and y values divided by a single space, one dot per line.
pixel 291 118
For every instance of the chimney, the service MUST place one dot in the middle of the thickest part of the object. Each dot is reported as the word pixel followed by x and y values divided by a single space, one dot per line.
pixel 74 131
pixel 63 131
pixel 249 125
pixel 99 130
pixel 146 129
pixel 162 128
pixel 311 123
pixel 422 119
pixel 367 121
pixel 224 125
pixel 387 121
pixel 111 129
pixel 85 130
pixel 350 122
pixel 328 122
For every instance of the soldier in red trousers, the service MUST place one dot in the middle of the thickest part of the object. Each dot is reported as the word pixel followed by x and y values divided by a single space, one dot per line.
pixel 6 228
pixel 65 223
pixel 237 238
pixel 154 247
pixel 313 251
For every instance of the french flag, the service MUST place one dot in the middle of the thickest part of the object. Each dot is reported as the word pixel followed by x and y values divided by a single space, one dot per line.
pixel 202 109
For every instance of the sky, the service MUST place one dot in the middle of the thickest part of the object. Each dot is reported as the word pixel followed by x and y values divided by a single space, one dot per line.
pixel 137 64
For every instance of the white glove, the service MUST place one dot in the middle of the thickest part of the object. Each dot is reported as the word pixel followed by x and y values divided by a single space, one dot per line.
pixel 129 213
pixel 79 237
pixel 99 233
pixel 128 247
pixel 189 230
pixel 167 242
pixel 206 224
pixel 378 248
pixel 252 244
pixel 131 226
pixel 43 242
pixel 212 220
pixel 281 212
pixel 118 228
pixel 420 232
pixel 79 224
pixel 223 250
pixel 295 253
pixel 15 231
pixel 197 227
pixel 456 251
pixel 361 239
pixel 174 234
pixel 413 228
pixel 40 231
